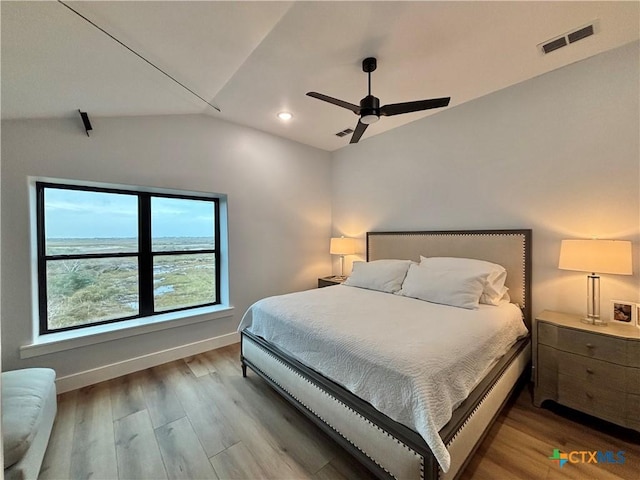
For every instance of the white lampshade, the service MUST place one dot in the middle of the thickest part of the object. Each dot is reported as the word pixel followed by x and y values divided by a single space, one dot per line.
pixel 596 256
pixel 342 246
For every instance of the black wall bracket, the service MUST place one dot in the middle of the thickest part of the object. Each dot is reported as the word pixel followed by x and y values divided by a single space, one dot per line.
pixel 85 121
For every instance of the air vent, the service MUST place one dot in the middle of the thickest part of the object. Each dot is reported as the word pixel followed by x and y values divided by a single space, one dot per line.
pixel 567 38
pixel 580 34
pixel 554 45
pixel 344 132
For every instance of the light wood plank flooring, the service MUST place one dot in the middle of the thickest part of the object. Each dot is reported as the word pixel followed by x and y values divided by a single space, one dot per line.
pixel 197 418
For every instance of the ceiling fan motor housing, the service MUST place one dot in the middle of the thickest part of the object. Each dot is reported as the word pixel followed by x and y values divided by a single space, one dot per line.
pixel 369 109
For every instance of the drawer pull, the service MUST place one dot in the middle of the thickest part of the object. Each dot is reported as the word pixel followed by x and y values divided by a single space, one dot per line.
pixel 589 395
pixel 590 371
pixel 590 345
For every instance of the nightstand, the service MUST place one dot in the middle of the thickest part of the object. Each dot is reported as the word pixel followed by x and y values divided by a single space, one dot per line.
pixel 328 281
pixel 594 369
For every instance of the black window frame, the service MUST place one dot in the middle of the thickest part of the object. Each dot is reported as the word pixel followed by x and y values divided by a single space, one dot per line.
pixel 145 254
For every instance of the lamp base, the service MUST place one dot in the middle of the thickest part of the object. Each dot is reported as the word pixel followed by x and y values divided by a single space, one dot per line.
pixel 598 322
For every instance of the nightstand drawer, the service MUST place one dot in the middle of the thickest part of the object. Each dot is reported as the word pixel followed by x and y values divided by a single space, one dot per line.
pixel 633 380
pixel 547 334
pixel 583 343
pixel 548 358
pixel 633 423
pixel 593 372
pixel 548 381
pixel 633 354
pixel 633 408
pixel 599 401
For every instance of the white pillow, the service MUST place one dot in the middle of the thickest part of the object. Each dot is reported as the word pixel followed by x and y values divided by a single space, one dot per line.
pixel 458 288
pixel 506 298
pixel 493 275
pixel 383 275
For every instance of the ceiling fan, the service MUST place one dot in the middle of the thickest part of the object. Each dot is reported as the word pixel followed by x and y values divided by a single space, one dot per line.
pixel 370 109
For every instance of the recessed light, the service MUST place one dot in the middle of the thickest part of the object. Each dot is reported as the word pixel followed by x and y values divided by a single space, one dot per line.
pixel 285 116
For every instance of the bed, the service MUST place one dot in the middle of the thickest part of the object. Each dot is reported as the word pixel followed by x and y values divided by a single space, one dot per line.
pixel 387 443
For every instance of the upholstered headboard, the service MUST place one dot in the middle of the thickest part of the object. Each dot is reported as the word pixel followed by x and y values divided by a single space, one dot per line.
pixel 509 248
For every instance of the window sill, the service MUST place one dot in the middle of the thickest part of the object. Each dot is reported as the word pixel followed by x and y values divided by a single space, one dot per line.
pixel 58 342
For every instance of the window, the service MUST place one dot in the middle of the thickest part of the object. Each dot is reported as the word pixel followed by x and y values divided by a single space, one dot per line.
pixel 107 255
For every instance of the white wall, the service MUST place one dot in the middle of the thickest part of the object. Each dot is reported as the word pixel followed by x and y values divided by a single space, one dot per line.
pixel 558 154
pixel 278 198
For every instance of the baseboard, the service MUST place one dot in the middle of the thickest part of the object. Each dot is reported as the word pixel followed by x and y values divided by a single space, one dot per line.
pixel 114 370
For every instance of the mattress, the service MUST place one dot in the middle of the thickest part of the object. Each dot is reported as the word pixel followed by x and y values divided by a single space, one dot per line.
pixel 412 360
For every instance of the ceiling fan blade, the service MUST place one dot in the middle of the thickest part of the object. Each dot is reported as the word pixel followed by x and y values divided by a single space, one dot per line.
pixel 325 98
pixel 418 105
pixel 360 128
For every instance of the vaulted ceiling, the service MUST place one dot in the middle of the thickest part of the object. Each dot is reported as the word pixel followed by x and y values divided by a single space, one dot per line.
pixel 254 59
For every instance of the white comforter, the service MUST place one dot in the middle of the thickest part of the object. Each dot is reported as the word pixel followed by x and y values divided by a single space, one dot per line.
pixel 414 361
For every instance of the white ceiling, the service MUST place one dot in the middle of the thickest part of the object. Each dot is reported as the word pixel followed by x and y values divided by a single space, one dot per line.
pixel 254 59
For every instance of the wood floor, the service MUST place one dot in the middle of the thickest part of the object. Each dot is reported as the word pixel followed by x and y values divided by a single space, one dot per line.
pixel 198 418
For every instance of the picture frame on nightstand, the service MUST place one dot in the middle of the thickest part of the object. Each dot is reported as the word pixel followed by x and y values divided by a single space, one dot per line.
pixel 624 313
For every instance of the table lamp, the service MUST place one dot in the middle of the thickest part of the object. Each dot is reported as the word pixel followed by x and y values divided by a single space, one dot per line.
pixel 342 246
pixel 601 256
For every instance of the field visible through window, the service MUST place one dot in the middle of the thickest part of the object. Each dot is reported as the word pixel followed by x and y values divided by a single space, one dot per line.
pixel 89 290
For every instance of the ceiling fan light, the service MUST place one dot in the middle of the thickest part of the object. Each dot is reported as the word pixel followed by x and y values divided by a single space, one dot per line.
pixel 369 119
